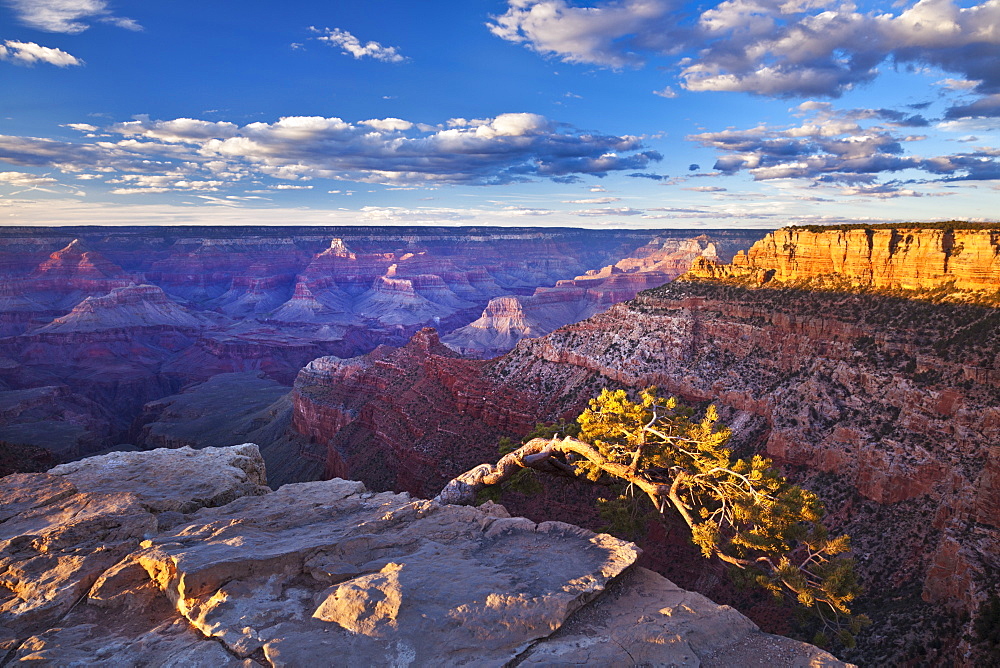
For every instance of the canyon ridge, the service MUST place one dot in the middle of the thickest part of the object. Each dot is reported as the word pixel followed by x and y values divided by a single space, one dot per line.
pixel 863 361
pixel 99 324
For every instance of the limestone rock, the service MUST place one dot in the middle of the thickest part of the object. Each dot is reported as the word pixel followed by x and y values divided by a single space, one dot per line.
pixel 327 572
pixel 644 619
pixel 166 479
pixel 54 543
pixel 59 531
pixel 317 566
pixel 959 263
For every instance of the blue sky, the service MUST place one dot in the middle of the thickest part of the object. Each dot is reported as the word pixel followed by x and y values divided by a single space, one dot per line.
pixel 632 113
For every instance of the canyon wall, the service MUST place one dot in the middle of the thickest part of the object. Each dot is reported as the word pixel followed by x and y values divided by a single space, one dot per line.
pixel 888 407
pixel 506 320
pixel 109 319
pixel 960 261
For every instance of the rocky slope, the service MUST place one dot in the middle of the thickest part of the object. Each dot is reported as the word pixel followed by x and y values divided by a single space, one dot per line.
pixel 182 557
pixel 506 320
pixel 887 406
pixel 120 317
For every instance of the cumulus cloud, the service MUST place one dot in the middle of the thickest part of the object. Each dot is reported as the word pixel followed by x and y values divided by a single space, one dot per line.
pixel 957 84
pixel 29 53
pixel 883 191
pixel 610 211
pixel 177 130
pixel 766 47
pixel 509 148
pixel 35 151
pixel 23 179
pixel 67 16
pixel 517 211
pixel 139 191
pixel 352 46
pixel 985 107
pixel 826 48
pixel 706 189
pixel 161 183
pixel 834 147
pixel 612 34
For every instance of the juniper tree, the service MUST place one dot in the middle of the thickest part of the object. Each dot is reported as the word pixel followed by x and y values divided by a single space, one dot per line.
pixel 740 511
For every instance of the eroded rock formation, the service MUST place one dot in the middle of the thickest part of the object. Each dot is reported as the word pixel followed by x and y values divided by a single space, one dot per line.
pixel 887 406
pixel 182 557
pixel 508 319
pixel 126 316
pixel 957 264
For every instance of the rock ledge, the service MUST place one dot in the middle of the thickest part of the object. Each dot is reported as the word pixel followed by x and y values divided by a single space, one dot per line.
pixel 182 557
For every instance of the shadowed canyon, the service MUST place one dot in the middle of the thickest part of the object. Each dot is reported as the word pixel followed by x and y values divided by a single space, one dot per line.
pixel 96 324
pixel 864 361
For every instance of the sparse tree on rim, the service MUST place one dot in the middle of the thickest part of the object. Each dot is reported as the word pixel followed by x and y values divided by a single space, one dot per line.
pixel 738 510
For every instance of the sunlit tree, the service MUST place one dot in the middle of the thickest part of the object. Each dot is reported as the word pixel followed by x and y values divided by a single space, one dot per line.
pixel 738 510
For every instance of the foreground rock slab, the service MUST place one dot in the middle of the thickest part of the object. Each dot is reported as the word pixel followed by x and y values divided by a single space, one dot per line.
pixel 325 573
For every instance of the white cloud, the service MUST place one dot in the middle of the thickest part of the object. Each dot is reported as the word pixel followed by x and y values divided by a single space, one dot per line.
pixel 178 130
pixel 29 53
pixel 766 47
pixel 67 16
pixel 593 200
pixel 666 92
pixel 513 147
pixel 611 34
pixel 957 84
pixel 139 191
pixel 833 147
pixel 610 211
pixel 524 211
pixel 23 179
pixel 388 124
pixel 351 45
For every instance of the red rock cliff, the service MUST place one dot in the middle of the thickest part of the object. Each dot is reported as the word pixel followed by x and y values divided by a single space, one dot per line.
pixel 889 407
pixel 898 258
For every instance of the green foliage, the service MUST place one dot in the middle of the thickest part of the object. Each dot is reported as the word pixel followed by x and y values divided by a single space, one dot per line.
pixel 740 510
pixel 621 514
pixel 524 481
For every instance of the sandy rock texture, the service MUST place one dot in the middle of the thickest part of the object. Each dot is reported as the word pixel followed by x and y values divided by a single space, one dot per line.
pixel 124 560
pixel 962 262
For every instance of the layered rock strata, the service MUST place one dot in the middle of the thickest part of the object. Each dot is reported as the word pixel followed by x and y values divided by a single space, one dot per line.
pixel 508 319
pixel 958 264
pixel 122 317
pixel 177 557
pixel 887 406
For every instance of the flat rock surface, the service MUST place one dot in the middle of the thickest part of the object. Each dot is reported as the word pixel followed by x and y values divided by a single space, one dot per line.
pixel 326 567
pixel 644 619
pixel 327 573
pixel 181 479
